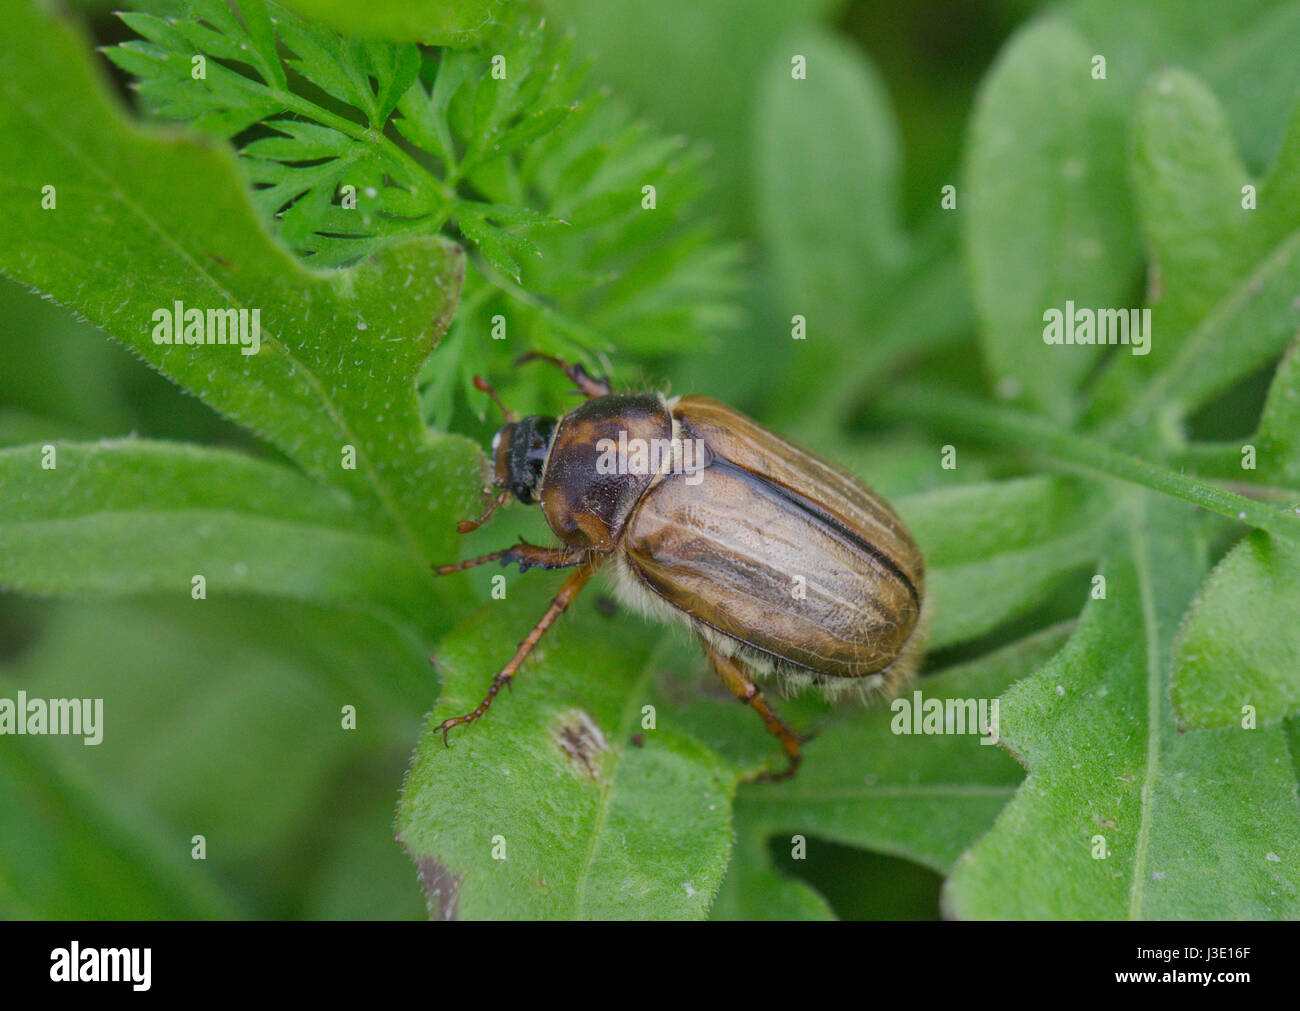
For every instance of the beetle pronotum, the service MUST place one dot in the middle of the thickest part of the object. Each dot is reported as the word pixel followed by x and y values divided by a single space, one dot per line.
pixel 781 562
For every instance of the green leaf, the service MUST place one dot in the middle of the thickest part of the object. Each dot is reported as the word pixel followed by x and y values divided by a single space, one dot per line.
pixel 827 166
pixel 827 159
pixel 597 817
pixel 1240 49
pixel 753 889
pixel 180 681
pixel 923 798
pixel 1021 536
pixel 718 53
pixel 458 23
pixel 338 353
pixel 303 167
pixel 500 158
pixel 1224 276
pixel 1279 426
pixel 90 855
pixel 1122 816
pixel 1048 215
pixel 131 516
pixel 1240 642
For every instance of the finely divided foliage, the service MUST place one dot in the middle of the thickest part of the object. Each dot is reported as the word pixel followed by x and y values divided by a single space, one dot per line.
pixel 350 144
pixel 377 198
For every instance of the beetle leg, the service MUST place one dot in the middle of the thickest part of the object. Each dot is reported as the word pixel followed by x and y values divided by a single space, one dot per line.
pixel 469 526
pixel 530 556
pixel 585 382
pixel 733 674
pixel 572 586
pixel 527 555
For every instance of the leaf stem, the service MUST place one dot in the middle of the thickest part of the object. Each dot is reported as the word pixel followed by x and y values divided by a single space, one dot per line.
pixel 1013 428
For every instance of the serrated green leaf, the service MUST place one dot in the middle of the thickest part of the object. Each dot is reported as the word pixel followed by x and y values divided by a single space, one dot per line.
pixel 338 354
pixel 1122 816
pixel 489 241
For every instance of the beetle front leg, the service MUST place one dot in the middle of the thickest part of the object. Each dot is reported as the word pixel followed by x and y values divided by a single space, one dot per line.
pixel 733 674
pixel 580 377
pixel 570 590
pixel 528 556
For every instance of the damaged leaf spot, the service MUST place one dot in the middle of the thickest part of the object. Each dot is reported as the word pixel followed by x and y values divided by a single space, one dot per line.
pixel 441 888
pixel 582 742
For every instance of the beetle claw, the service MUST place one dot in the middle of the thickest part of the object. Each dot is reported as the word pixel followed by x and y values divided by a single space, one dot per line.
pixel 776 777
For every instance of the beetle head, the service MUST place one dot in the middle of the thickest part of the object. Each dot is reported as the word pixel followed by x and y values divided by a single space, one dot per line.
pixel 519 455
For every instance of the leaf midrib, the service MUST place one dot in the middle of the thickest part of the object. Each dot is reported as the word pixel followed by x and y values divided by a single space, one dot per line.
pixel 634 695
pixel 1153 685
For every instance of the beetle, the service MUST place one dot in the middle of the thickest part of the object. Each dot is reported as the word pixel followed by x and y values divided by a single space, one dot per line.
pixel 782 563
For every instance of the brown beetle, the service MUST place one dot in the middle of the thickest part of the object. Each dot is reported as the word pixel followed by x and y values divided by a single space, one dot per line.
pixel 782 562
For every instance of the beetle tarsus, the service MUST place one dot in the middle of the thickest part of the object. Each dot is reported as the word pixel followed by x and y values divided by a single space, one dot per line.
pixel 469 563
pixel 792 766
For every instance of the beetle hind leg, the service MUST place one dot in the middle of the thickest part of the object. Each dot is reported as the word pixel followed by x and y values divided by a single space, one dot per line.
pixel 733 674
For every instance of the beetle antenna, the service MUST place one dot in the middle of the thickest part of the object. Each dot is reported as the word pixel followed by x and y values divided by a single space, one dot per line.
pixel 469 526
pixel 482 384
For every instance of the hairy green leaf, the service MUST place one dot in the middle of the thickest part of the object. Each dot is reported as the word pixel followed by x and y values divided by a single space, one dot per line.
pixel 872 780
pixel 1237 658
pixel 1122 816
pixel 338 353
pixel 560 803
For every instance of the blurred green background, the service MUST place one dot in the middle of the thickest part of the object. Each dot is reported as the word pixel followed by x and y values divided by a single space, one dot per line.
pixel 215 713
